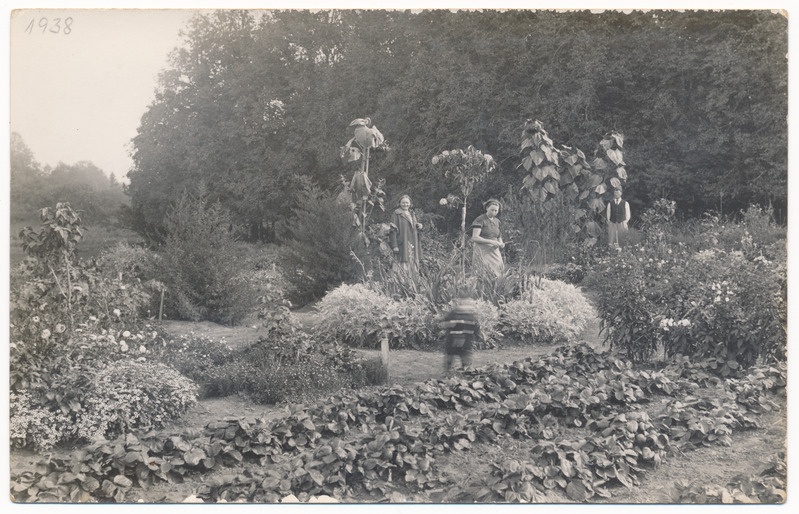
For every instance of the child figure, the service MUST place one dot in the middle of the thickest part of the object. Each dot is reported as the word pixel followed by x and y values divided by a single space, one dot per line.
pixel 462 328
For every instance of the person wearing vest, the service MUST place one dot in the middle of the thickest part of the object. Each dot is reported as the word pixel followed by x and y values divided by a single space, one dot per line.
pixel 618 214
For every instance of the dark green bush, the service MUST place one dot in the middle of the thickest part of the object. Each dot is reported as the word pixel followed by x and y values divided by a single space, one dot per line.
pixel 201 265
pixel 570 272
pixel 318 239
pixel 284 366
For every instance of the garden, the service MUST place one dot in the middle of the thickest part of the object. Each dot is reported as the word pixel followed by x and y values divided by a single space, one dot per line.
pixel 594 371
pixel 260 312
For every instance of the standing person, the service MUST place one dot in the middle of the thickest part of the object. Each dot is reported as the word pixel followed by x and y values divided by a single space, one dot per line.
pixel 618 215
pixel 487 240
pixel 462 328
pixel 403 235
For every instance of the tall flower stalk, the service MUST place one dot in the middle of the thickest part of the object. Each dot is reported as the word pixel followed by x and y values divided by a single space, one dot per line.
pixel 466 168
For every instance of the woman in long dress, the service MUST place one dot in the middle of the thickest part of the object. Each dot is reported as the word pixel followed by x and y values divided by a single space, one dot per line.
pixel 404 236
pixel 487 240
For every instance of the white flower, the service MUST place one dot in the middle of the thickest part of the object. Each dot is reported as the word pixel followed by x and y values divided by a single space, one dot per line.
pixel 123 346
pixel 443 201
pixel 35 319
pixel 45 333
pixel 126 333
pixel 117 312
pixel 142 349
pixel 60 327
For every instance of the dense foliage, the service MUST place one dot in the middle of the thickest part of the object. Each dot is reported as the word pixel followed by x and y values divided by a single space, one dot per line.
pixel 551 312
pixel 716 291
pixel 286 365
pixel 256 100
pixel 200 265
pixel 390 444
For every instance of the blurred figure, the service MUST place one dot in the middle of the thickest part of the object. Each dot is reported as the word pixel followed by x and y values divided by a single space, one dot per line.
pixel 462 327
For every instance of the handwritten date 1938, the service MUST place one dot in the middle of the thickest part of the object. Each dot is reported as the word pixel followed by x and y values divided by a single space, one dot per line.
pixel 50 26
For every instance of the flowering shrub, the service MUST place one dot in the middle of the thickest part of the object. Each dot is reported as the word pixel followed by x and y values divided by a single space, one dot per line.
pixel 100 402
pixel 714 303
pixel 123 396
pixel 42 320
pixel 554 312
pixel 358 316
pixel 729 308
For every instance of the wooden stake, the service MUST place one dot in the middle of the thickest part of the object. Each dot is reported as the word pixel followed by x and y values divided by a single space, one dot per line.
pixel 384 354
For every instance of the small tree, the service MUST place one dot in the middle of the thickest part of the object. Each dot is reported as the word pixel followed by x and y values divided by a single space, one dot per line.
pixel 54 244
pixel 201 265
pixel 466 169
pixel 567 170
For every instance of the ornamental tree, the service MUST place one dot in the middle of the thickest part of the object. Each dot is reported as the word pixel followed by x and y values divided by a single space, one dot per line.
pixel 465 169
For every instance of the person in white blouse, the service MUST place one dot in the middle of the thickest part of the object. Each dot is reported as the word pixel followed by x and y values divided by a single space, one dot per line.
pixel 618 215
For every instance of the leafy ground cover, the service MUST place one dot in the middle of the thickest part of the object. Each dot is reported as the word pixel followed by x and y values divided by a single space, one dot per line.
pixel 556 426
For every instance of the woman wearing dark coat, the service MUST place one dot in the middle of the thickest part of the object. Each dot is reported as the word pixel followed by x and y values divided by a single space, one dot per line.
pixel 404 235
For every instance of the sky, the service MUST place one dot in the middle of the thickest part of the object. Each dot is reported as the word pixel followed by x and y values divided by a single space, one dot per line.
pixel 79 86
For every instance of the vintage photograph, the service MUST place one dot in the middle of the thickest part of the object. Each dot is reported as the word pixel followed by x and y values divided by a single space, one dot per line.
pixel 431 256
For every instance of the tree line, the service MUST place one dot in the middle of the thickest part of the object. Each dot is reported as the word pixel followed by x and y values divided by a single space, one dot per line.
pixel 256 104
pixel 97 196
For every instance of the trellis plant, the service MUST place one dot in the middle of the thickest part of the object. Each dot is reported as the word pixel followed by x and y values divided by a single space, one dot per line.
pixel 566 170
pixel 465 168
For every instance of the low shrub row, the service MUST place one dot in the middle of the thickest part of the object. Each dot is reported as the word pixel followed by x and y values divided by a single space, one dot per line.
pixel 550 312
